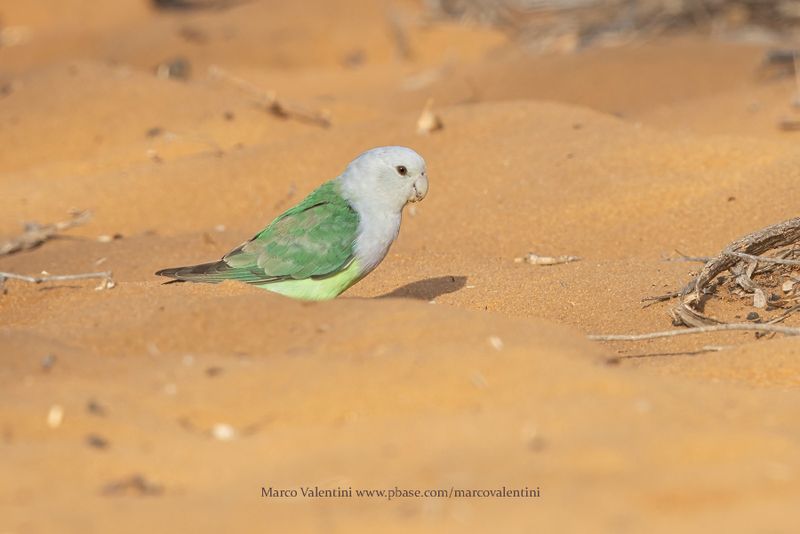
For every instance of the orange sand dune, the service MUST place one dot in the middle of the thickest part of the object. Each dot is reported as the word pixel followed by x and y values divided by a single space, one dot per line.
pixel 452 365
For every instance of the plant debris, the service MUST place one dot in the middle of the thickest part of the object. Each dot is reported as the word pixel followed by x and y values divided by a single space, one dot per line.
pixel 96 441
pixel 95 408
pixel 269 100
pixel 535 259
pixel 428 120
pixel 107 282
pixel 569 25
pixel 778 63
pixel 55 416
pixel 36 234
pixel 136 485
pixel 186 5
pixel 768 328
pixel 769 282
pixel 789 124
pixel 48 361
pixel 178 68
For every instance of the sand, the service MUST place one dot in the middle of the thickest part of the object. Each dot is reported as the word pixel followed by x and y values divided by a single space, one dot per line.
pixel 452 365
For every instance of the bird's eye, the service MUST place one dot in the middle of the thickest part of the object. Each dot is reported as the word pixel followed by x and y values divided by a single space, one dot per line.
pixel 401 170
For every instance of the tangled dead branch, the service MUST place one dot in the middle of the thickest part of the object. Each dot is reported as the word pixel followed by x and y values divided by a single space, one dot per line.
pixel 750 273
pixel 568 25
pixel 778 235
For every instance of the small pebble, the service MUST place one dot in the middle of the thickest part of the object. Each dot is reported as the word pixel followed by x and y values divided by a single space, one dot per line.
pixel 95 408
pixel 97 442
pixel 496 342
pixel 105 238
pixel 429 121
pixel 177 69
pixel 478 380
pixel 55 416
pixel 752 316
pixel 214 371
pixel 153 155
pixel 532 437
pixel 223 432
pixel 48 362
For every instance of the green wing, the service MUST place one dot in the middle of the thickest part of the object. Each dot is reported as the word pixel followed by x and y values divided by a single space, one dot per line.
pixel 311 240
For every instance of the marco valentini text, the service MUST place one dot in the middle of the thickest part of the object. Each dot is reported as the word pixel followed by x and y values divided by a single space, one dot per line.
pixel 316 492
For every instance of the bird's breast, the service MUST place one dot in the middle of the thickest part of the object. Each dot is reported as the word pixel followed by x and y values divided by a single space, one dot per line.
pixel 376 233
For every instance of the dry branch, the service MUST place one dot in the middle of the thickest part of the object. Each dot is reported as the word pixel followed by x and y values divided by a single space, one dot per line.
pixel 684 257
pixel 767 328
pixel 269 100
pixel 777 235
pixel 186 5
pixel 106 277
pixel 399 34
pixel 564 25
pixel 743 259
pixel 764 259
pixel 35 234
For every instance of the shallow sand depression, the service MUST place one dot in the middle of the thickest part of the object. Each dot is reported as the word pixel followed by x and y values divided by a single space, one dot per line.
pixel 168 407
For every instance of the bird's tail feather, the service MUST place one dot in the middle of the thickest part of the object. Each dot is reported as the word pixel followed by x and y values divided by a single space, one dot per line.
pixel 211 273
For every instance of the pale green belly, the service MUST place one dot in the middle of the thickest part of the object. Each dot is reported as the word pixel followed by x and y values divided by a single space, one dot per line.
pixel 317 289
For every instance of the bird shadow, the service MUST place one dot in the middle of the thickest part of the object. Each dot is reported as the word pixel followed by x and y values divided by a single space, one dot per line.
pixel 428 289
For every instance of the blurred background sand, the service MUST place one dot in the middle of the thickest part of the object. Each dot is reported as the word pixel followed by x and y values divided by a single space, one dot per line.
pixel 620 140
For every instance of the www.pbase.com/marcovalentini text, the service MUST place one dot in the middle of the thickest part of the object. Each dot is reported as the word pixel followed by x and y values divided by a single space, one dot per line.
pixel 396 493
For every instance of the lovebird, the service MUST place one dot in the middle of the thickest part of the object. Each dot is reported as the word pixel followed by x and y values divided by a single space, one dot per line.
pixel 332 239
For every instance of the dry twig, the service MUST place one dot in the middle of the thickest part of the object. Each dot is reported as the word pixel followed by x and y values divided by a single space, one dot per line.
pixel 133 485
pixel 399 35
pixel 535 259
pixel 684 257
pixel 269 100
pixel 755 327
pixel 106 276
pixel 186 5
pixel 764 259
pixel 35 234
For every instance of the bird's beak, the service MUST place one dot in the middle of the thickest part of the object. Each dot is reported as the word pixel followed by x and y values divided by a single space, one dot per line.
pixel 420 189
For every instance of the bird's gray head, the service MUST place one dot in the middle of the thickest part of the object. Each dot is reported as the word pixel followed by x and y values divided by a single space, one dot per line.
pixel 386 177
